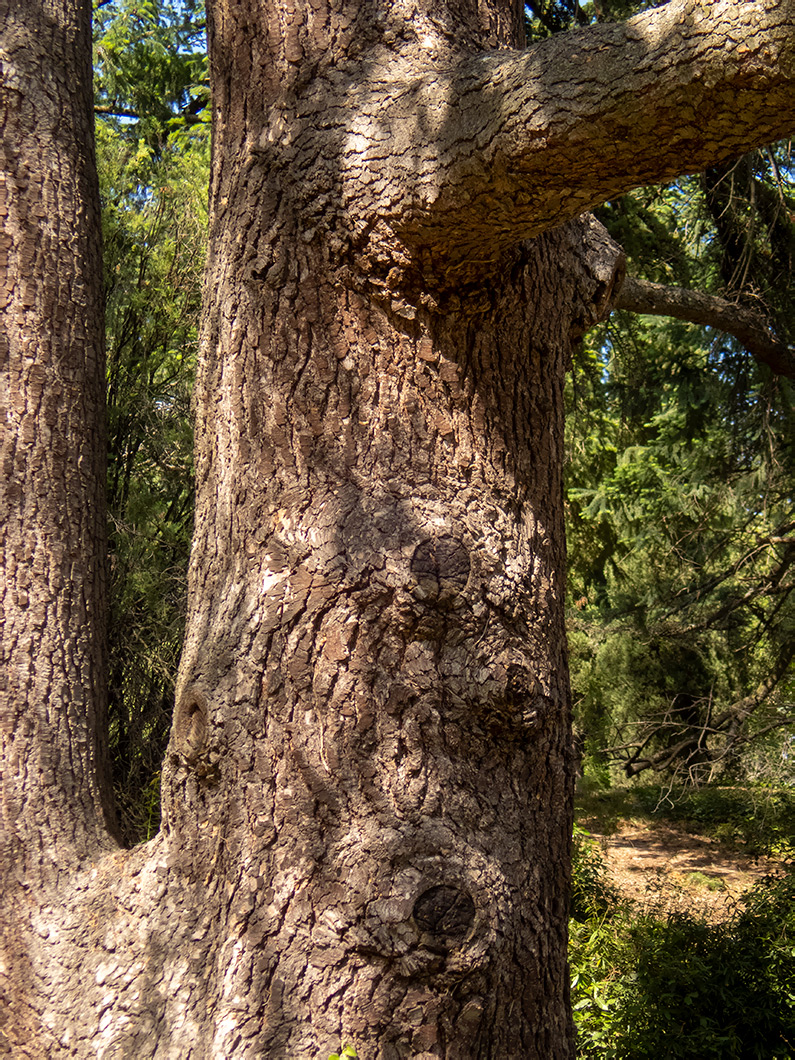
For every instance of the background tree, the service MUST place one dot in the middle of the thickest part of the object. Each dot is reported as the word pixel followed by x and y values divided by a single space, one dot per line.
pixel 367 795
pixel 53 513
pixel 52 707
pixel 680 498
pixel 153 148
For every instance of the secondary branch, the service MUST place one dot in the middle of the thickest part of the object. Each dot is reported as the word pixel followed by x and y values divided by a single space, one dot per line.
pixel 749 328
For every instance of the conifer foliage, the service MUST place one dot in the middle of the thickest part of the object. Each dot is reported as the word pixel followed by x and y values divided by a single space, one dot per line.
pixel 153 151
pixel 680 491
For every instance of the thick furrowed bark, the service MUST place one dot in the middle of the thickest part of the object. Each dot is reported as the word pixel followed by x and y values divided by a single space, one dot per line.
pixel 373 705
pixel 471 153
pixel 52 592
pixel 52 481
pixel 367 796
pixel 588 115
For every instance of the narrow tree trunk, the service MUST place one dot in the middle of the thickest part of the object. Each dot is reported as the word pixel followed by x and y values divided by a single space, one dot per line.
pixel 52 675
pixel 52 482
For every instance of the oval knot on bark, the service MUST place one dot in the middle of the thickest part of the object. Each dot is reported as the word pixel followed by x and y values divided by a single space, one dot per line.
pixel 441 569
pixel 446 913
pixel 191 725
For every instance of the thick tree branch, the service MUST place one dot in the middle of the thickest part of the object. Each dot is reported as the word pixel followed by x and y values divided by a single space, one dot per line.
pixel 506 145
pixel 749 328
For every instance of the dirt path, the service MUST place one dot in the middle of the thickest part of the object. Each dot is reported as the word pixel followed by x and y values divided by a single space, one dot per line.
pixel 672 871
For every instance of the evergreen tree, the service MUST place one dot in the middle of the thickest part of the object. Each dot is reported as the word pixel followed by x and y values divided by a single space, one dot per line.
pixel 680 496
pixel 153 150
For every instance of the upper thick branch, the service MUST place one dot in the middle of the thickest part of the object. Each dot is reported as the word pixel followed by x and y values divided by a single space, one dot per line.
pixel 509 144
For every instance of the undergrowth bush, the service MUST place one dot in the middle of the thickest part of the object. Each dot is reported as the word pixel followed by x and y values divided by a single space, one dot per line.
pixel 592 895
pixel 676 986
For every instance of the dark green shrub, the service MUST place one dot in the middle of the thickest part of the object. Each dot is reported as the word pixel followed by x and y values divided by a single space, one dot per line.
pixel 682 989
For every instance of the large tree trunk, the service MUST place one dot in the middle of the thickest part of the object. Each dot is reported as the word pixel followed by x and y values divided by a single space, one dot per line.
pixel 373 709
pixel 372 729
pixel 367 796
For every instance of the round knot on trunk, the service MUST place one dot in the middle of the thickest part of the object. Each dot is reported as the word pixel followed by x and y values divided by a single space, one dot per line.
pixel 445 913
pixel 441 568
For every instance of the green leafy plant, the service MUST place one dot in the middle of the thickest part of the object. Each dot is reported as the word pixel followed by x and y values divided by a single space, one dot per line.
pixel 591 892
pixel 680 987
pixel 347 1051
pixel 153 160
pixel 679 487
